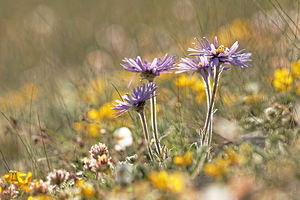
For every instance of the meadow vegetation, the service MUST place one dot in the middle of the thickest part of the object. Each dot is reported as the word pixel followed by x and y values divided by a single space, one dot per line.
pixel 84 116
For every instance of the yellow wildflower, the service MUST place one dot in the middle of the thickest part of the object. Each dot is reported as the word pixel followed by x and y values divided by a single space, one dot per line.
pixel 168 182
pixel 282 80
pixel 106 112
pixel 13 176
pixel 78 126
pixel 184 160
pixel 234 158
pixel 93 114
pixel 217 168
pixel 94 130
pixel 87 189
pixel 295 66
pixel 24 184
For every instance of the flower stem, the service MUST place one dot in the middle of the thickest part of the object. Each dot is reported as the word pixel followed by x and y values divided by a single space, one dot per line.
pixel 154 123
pixel 146 135
pixel 207 91
pixel 207 130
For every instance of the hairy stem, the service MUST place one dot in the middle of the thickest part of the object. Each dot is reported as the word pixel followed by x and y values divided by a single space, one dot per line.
pixel 207 91
pixel 146 134
pixel 207 132
pixel 154 123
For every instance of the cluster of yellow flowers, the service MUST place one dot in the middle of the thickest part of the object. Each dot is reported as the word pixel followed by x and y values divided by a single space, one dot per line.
pixel 171 182
pixel 104 112
pixel 284 78
pixel 17 178
pixel 97 116
pixel 20 98
pixel 218 167
pixel 184 160
pixel 195 84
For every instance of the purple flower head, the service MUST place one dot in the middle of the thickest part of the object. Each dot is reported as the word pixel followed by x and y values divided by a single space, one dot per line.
pixel 136 100
pixel 149 70
pixel 220 54
pixel 200 64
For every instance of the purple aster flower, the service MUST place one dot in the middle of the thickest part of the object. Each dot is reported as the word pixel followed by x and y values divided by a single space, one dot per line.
pixel 200 64
pixel 149 70
pixel 136 101
pixel 220 54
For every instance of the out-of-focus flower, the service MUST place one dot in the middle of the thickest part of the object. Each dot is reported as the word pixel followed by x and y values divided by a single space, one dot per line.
pixel 93 130
pixel 39 188
pixel 172 182
pixel 10 193
pixel 253 98
pixel 105 111
pixel 237 30
pixel 79 126
pixel 149 70
pixel 93 114
pixel 123 138
pixel 99 159
pixel 101 164
pixel 234 158
pixel 217 168
pixel 57 177
pixel 183 81
pixel 98 150
pixel 40 197
pixel 220 54
pixel 283 80
pixel 200 64
pixel 123 173
pixel 298 91
pixel 137 100
pixel 193 83
pixel 295 66
pixel 184 160
pixel 219 192
pixel 87 189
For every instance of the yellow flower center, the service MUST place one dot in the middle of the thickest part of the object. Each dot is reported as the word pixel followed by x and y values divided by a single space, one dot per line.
pixel 200 64
pixel 220 50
